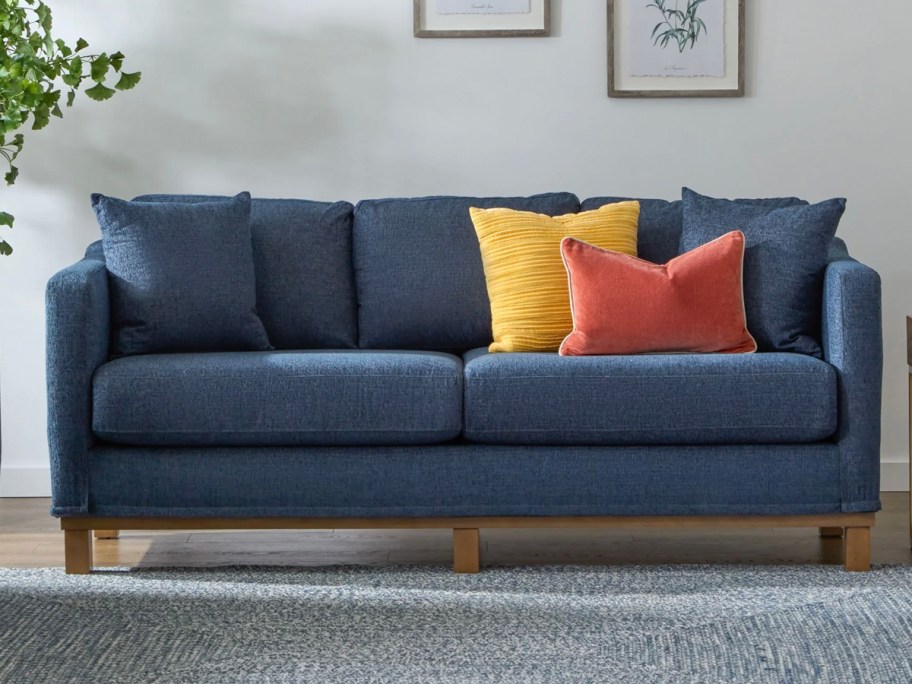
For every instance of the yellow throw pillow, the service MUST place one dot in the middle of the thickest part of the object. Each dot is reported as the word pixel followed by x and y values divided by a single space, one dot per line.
pixel 526 278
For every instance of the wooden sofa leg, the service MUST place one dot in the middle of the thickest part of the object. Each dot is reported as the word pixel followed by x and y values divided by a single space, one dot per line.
pixel 858 549
pixel 77 551
pixel 831 532
pixel 466 553
pixel 107 534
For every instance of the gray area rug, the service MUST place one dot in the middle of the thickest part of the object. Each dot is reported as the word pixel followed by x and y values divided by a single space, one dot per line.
pixel 706 624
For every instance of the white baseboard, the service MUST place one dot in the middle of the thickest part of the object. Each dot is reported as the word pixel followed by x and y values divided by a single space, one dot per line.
pixel 24 482
pixel 894 476
pixel 36 482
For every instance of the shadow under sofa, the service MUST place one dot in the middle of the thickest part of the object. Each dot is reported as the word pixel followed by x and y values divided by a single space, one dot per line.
pixel 381 406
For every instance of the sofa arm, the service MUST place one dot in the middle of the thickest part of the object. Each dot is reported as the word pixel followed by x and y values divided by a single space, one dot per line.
pixel 78 327
pixel 853 344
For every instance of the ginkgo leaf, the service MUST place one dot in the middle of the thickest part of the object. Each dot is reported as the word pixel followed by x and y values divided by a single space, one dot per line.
pixel 128 81
pixel 100 66
pixel 100 92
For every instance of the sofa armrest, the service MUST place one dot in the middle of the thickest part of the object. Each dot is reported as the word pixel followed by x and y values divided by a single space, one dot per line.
pixel 853 343
pixel 78 328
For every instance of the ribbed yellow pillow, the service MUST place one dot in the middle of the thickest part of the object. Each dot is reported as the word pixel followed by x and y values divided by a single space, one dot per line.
pixel 527 282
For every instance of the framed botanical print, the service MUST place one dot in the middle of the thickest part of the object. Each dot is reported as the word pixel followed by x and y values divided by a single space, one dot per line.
pixel 676 48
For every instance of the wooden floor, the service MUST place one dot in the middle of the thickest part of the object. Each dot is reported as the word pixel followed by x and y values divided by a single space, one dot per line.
pixel 29 537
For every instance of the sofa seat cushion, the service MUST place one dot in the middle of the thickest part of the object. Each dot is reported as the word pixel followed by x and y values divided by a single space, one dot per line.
pixel 681 399
pixel 279 399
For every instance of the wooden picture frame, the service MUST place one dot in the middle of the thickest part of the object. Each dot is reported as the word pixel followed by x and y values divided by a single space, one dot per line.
pixel 726 49
pixel 429 24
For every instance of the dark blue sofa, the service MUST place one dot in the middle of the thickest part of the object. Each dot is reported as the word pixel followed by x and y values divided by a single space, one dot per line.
pixel 382 407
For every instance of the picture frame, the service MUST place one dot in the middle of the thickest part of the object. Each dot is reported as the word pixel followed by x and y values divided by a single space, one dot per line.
pixel 477 19
pixel 682 39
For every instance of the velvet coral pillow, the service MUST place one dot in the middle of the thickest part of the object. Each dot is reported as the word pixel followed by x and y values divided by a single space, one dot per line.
pixel 624 305
pixel 526 280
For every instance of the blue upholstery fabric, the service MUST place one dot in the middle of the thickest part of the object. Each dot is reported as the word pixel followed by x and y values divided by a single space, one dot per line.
pixel 659 229
pixel 838 250
pixel 78 330
pixel 279 398
pixel 419 274
pixel 784 258
pixel 648 399
pixel 465 479
pixel 181 276
pixel 95 251
pixel 661 222
pixel 304 278
pixel 853 344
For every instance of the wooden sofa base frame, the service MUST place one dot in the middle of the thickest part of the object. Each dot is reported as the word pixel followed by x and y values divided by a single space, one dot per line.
pixel 854 527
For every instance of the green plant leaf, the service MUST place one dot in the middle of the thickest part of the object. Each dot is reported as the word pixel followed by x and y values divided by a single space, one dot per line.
pixel 128 81
pixel 100 92
pixel 43 13
pixel 41 118
pixel 5 248
pixel 13 174
pixel 100 67
pixel 70 97
pixel 63 48
pixel 81 45
pixel 117 60
pixel 6 219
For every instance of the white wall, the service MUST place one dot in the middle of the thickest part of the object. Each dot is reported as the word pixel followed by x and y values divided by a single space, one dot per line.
pixel 334 99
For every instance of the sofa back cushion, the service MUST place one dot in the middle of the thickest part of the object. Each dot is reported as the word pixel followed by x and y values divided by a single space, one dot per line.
pixel 304 280
pixel 419 274
pixel 661 222
pixel 659 230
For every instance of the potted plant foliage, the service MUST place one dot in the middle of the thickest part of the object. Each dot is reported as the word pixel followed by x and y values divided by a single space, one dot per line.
pixel 39 73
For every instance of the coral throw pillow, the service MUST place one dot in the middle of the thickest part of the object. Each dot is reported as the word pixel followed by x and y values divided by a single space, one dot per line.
pixel 624 305
pixel 526 280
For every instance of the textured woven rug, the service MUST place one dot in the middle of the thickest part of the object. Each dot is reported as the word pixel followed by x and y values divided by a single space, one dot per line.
pixel 706 624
